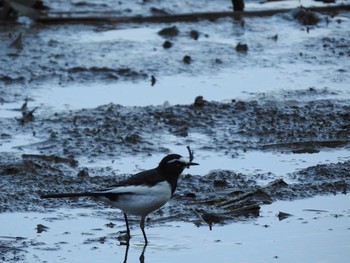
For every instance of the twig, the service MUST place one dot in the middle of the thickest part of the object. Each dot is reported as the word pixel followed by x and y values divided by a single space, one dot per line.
pixel 190 153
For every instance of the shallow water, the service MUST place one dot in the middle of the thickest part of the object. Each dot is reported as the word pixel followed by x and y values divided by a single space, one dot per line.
pixel 224 86
pixel 317 231
pixel 249 163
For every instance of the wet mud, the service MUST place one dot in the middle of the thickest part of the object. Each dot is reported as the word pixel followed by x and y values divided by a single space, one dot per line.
pixel 55 54
pixel 112 131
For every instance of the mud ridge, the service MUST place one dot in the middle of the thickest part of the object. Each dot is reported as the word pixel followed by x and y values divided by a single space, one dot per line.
pixel 113 130
pixel 170 18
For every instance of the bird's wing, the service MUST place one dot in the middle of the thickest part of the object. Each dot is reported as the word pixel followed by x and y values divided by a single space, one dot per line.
pixel 136 184
pixel 148 177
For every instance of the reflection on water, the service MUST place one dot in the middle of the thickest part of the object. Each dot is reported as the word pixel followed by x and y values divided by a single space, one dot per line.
pixel 318 229
pixel 142 256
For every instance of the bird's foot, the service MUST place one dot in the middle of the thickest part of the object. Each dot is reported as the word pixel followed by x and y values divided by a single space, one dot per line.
pixel 124 237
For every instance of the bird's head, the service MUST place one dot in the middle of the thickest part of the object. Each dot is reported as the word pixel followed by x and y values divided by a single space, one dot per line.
pixel 174 164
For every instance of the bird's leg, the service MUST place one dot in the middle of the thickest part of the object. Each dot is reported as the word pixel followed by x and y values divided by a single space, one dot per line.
pixel 126 254
pixel 142 256
pixel 127 227
pixel 125 238
pixel 142 226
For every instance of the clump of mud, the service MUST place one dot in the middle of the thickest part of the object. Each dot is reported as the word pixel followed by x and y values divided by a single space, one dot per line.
pixel 9 249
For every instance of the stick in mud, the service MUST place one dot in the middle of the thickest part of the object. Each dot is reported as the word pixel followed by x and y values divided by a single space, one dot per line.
pixel 190 153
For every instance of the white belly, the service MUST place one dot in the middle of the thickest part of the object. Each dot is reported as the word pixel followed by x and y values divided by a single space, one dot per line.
pixel 143 199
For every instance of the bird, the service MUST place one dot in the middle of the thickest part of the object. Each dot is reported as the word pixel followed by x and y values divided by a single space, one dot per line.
pixel 141 193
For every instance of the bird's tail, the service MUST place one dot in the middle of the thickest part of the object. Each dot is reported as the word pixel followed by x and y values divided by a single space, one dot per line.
pixel 62 195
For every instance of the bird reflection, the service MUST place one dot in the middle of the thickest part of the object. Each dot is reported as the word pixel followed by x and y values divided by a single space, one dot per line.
pixel 142 256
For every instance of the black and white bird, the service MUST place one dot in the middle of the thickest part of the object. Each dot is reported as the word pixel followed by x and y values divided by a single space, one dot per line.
pixel 143 192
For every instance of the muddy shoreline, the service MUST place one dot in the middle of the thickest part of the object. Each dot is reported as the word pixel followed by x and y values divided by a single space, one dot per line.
pixel 112 131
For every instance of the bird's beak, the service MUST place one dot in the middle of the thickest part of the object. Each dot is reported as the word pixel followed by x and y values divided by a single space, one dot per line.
pixel 187 162
pixel 191 163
